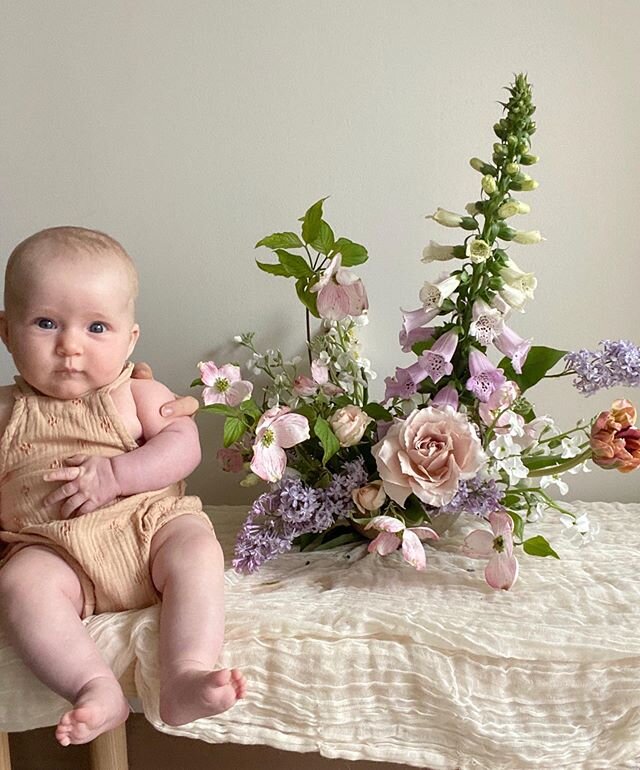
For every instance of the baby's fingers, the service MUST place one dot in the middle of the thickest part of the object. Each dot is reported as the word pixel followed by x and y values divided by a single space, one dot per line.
pixel 62 474
pixel 62 493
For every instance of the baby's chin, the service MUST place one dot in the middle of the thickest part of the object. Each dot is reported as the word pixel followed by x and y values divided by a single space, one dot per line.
pixel 67 388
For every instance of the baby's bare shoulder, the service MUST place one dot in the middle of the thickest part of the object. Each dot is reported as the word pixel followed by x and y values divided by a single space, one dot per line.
pixel 149 396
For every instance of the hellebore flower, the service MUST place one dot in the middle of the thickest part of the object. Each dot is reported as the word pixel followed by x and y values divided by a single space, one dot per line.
pixel 485 377
pixel 278 429
pixel 223 385
pixel 340 292
pixel 515 347
pixel 502 569
pixel 393 533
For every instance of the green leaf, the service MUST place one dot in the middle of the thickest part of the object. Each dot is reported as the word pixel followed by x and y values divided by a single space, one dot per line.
pixel 251 408
pixel 518 524
pixel 539 361
pixel 327 437
pixel 348 537
pixel 308 298
pixel 196 382
pixel 234 428
pixel 377 412
pixel 228 411
pixel 294 264
pixel 273 269
pixel 281 241
pixel 352 253
pixel 325 240
pixel 538 546
pixel 311 222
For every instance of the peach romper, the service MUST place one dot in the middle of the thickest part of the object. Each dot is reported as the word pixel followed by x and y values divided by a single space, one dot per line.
pixel 108 548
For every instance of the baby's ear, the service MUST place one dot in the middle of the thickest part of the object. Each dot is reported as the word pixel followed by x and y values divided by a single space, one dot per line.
pixel 4 329
pixel 135 333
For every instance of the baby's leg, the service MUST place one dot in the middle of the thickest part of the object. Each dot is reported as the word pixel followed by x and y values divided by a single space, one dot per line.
pixel 40 601
pixel 187 568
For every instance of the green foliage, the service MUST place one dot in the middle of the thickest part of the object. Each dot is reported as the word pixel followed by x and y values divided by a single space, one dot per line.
pixel 538 546
pixel 234 428
pixel 327 438
pixel 281 241
pixel 539 361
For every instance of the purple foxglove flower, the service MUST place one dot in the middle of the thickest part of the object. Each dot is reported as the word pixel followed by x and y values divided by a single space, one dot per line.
pixel 436 362
pixel 488 322
pixel 447 396
pixel 485 377
pixel 412 319
pixel 409 339
pixel 405 383
pixel 515 347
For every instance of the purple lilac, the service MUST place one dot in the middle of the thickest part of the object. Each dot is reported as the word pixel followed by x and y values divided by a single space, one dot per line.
pixel 618 363
pixel 475 496
pixel 294 508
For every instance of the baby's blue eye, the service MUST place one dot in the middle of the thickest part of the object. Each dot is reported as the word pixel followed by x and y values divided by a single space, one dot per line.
pixel 46 323
pixel 97 328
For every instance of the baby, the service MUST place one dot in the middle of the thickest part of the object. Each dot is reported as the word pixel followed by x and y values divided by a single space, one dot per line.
pixel 118 532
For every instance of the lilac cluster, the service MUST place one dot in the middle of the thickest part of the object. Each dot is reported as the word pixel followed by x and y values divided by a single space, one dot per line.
pixel 618 363
pixel 294 508
pixel 475 496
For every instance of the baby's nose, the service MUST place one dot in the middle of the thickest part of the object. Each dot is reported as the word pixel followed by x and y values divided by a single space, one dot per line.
pixel 69 344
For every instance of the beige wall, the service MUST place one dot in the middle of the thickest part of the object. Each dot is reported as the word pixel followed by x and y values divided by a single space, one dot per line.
pixel 191 129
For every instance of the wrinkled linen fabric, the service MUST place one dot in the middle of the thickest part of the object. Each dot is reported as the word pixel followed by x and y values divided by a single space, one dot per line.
pixel 356 656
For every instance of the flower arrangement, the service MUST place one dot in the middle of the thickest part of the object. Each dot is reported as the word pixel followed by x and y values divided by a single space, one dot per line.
pixel 455 434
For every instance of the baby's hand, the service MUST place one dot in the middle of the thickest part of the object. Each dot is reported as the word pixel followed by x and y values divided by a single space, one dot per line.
pixel 91 483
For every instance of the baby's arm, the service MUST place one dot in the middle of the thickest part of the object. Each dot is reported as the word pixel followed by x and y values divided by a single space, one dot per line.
pixel 170 452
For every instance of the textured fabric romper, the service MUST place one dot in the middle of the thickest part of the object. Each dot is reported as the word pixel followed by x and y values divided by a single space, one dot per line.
pixel 108 548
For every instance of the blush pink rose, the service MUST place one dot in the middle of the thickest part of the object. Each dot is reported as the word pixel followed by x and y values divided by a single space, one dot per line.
pixel 427 454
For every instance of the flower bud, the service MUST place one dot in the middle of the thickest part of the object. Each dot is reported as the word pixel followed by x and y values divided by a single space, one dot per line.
pixel 499 149
pixel 529 160
pixel 506 233
pixel 469 223
pixel 512 168
pixel 528 236
pixel 489 184
pixel 369 498
pixel 482 167
pixel 250 480
pixel 349 424
pixel 528 185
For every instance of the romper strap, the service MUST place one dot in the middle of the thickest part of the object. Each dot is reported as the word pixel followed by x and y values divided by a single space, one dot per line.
pixel 124 375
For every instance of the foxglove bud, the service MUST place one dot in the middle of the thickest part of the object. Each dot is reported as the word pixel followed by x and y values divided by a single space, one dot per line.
pixel 489 184
pixel 512 207
pixel 484 168
pixel 512 168
pixel 528 236
pixel 529 160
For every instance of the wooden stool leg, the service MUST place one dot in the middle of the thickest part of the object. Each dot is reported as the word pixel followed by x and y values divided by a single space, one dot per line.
pixel 5 759
pixel 108 751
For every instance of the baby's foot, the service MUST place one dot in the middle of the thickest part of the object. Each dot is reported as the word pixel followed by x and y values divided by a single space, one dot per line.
pixel 195 693
pixel 100 706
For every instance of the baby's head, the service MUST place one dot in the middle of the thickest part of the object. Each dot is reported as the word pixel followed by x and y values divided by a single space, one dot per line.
pixel 69 317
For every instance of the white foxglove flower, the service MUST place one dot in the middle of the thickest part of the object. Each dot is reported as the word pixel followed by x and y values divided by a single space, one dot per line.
pixel 528 236
pixel 436 252
pixel 446 218
pixel 433 294
pixel 478 250
pixel 512 207
pixel 515 298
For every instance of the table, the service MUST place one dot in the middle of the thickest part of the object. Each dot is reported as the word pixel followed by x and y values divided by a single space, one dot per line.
pixel 360 657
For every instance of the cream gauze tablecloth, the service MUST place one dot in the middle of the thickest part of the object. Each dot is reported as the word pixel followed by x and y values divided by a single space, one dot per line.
pixel 361 657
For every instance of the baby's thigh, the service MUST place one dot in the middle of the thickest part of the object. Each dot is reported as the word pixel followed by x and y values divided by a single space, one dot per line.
pixel 38 572
pixel 186 543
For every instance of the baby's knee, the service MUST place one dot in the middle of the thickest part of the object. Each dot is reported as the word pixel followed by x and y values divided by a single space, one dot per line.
pixel 35 571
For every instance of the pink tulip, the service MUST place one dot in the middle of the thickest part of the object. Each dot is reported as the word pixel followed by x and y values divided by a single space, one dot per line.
pixel 615 440
pixel 278 429
pixel 394 533
pixel 340 292
pixel 497 546
pixel 224 385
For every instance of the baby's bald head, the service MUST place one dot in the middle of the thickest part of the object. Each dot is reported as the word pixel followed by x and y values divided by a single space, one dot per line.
pixel 68 246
